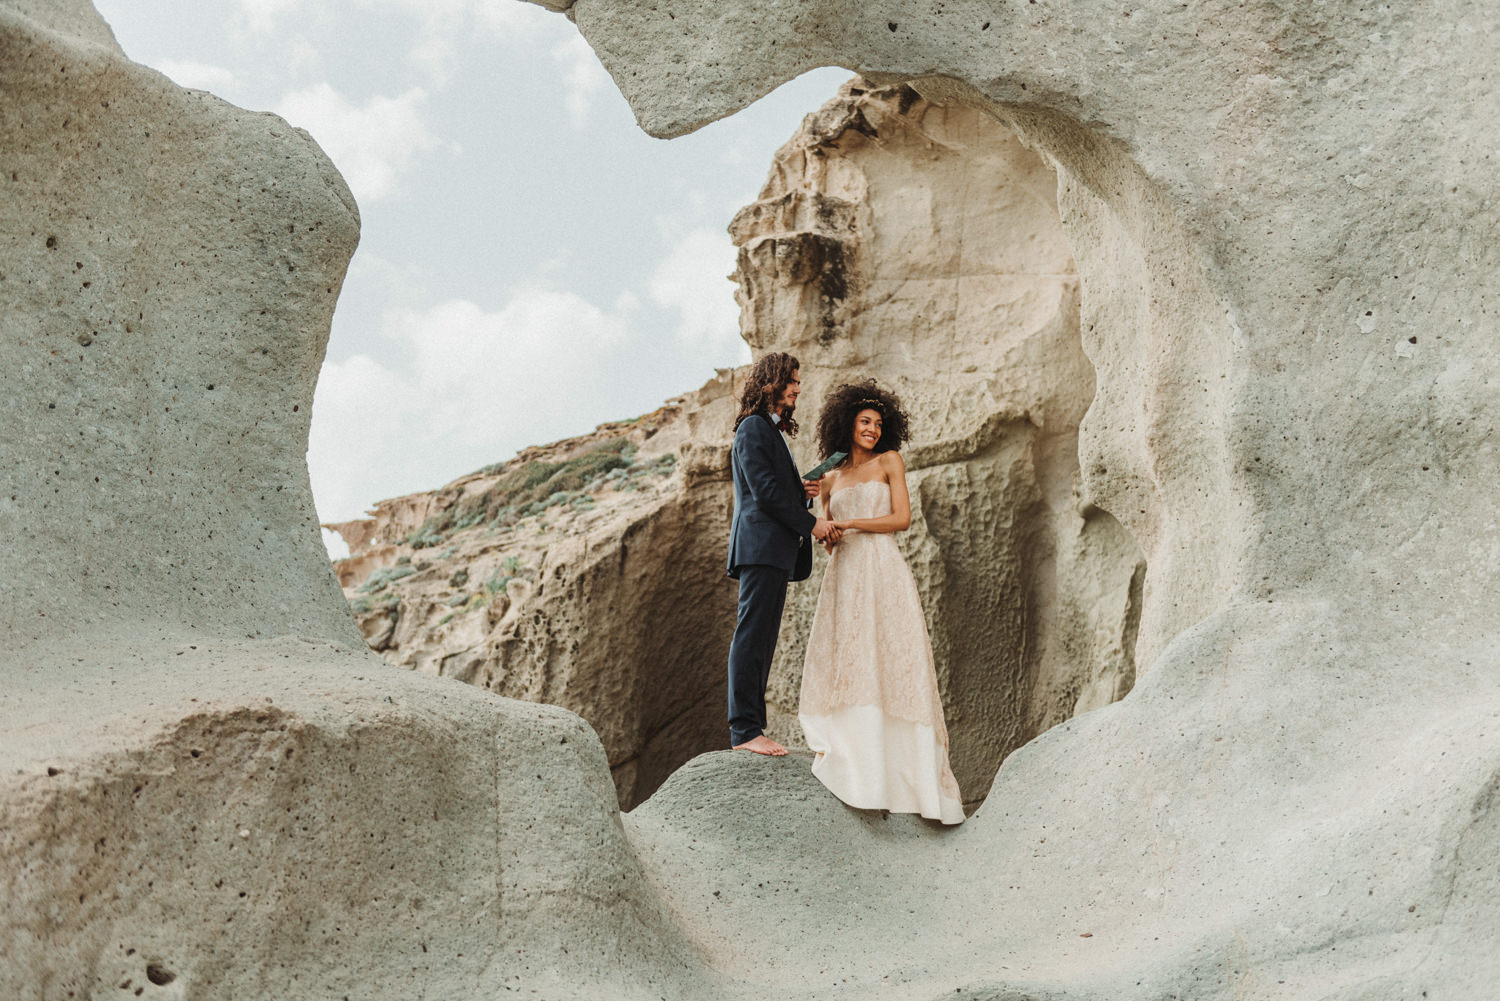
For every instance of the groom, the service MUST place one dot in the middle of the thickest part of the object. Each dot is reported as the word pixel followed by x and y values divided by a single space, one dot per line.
pixel 768 539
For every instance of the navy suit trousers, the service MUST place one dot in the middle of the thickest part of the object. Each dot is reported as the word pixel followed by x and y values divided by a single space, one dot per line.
pixel 762 598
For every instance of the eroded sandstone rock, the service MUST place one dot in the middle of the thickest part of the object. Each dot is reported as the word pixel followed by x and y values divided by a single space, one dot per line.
pixel 1267 205
pixel 582 574
pixel 170 264
pixel 1287 301
pixel 920 244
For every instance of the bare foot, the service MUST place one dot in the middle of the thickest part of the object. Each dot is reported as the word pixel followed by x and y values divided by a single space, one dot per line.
pixel 762 745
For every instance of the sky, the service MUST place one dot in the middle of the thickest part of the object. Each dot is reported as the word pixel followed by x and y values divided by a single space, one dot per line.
pixel 531 264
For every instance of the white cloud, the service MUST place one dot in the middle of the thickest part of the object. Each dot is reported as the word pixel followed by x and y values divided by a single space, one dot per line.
pixel 436 54
pixel 261 15
pixel 303 58
pixel 516 20
pixel 530 360
pixel 200 76
pixel 337 548
pixel 692 281
pixel 471 386
pixel 373 144
pixel 446 25
pixel 584 76
pixel 357 413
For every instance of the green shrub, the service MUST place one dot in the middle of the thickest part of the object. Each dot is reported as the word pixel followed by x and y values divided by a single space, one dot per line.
pixel 529 488
pixel 381 578
pixel 434 531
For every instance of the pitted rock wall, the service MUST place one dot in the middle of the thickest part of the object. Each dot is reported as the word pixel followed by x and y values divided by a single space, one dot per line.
pixel 170 265
pixel 920 244
pixel 1280 215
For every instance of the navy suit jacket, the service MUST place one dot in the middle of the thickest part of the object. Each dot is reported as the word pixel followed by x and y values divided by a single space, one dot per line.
pixel 772 525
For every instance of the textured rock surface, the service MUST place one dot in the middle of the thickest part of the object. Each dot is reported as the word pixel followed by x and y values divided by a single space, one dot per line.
pixel 602 595
pixel 295 819
pixel 1281 216
pixel 895 238
pixel 168 267
pixel 921 244
pixel 1282 234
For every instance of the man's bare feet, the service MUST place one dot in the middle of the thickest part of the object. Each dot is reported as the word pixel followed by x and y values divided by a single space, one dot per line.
pixel 762 745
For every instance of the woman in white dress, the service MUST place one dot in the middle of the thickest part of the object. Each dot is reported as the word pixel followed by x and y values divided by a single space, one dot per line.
pixel 869 705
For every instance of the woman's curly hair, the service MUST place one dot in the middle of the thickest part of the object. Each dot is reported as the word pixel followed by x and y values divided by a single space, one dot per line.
pixel 767 382
pixel 836 422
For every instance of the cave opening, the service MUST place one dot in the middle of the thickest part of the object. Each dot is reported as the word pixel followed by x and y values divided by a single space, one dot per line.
pixel 914 239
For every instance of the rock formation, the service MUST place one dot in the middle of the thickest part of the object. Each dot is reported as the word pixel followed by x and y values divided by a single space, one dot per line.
pixel 894 237
pixel 1282 238
pixel 581 574
pixel 170 266
pixel 209 788
pixel 921 244
pixel 1282 219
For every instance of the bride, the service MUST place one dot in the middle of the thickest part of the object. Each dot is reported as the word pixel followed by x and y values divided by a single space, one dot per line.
pixel 869 706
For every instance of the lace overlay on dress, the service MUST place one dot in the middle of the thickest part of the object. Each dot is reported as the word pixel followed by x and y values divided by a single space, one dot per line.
pixel 869 644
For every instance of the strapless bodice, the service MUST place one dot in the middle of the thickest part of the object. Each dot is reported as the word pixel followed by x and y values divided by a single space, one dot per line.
pixel 870 499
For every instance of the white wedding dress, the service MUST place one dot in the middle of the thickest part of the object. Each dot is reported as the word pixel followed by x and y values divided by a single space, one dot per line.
pixel 869 706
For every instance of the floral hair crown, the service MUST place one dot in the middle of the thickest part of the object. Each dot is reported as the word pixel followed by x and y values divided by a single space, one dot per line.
pixel 871 404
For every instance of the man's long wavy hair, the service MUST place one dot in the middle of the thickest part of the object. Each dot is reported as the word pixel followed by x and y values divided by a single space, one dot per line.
pixel 768 380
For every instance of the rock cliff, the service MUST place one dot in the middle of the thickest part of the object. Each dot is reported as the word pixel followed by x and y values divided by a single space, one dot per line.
pixel 894 238
pixel 920 244
pixel 582 574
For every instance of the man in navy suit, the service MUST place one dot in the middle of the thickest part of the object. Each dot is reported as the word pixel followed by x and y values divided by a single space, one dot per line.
pixel 769 541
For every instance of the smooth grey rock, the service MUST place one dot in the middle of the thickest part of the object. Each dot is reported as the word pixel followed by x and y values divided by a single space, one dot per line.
pixel 291 819
pixel 168 267
pixel 1282 217
pixel 1283 237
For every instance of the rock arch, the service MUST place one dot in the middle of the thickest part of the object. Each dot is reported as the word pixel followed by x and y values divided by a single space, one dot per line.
pixel 1295 801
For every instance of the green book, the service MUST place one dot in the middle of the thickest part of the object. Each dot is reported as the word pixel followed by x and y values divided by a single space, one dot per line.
pixel 817 472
